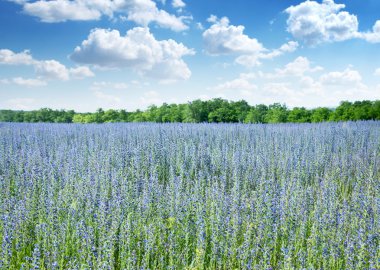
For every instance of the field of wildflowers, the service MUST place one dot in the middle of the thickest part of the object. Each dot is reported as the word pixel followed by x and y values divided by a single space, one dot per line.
pixel 190 196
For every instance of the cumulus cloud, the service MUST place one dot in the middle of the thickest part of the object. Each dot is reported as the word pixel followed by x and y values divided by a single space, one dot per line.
pixel 21 103
pixel 142 12
pixel 178 4
pixel 225 39
pixel 29 82
pixel 199 26
pixel 377 72
pixel 254 59
pixel 236 84
pixel 241 83
pixel 347 77
pixel 298 81
pixel 315 23
pixel 297 68
pixel 20 2
pixel 278 88
pixel 60 11
pixel 289 47
pixel 109 85
pixel 24 82
pixel 45 69
pixel 138 50
pixel 81 72
pixel 52 69
pixel 307 77
pixel 150 98
pixel 4 81
pixel 374 36
pixel 110 99
pixel 9 57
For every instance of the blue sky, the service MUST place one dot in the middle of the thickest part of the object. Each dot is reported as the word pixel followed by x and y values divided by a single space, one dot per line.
pixel 83 55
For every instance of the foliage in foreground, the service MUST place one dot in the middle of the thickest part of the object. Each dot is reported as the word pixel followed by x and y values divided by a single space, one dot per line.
pixel 187 196
pixel 212 111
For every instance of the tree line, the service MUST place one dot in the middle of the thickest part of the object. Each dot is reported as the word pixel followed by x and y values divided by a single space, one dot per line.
pixel 214 111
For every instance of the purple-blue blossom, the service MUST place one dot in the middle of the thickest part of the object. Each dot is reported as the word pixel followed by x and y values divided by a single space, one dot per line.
pixel 190 196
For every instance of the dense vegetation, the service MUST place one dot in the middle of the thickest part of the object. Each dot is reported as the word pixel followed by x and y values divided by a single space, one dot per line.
pixel 216 111
pixel 190 196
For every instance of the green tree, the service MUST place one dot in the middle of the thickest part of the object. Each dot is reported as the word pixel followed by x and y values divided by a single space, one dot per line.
pixel 123 116
pixel 198 111
pixel 64 116
pixel 320 115
pixel 257 114
pixel 375 111
pixel 110 116
pixel 362 110
pixel 79 118
pixel 241 108
pixel 277 113
pixel 215 110
pixel 344 112
pixel 139 116
pixel 98 116
pixel 224 114
pixel 299 115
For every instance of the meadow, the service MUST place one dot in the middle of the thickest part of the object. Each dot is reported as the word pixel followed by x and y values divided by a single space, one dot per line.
pixel 190 196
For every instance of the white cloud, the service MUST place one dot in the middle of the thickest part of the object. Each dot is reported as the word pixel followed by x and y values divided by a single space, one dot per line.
pixel 150 98
pixel 374 36
pixel 254 59
pixel 203 97
pixel 109 85
pixel 225 39
pixel 29 82
pixel 298 82
pixel 142 12
pixel 310 85
pixel 237 84
pixel 4 81
pixel 213 19
pixel 60 11
pixel 280 88
pixel 347 77
pixel 296 68
pixel 20 103
pixel 138 49
pixel 8 57
pixel 45 69
pixel 20 2
pixel 109 99
pixel 248 76
pixel 316 23
pixel 81 72
pixel 241 83
pixel 289 47
pixel 178 4
pixel 200 26
pixel 52 69
pixel 24 82
pixel 377 72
